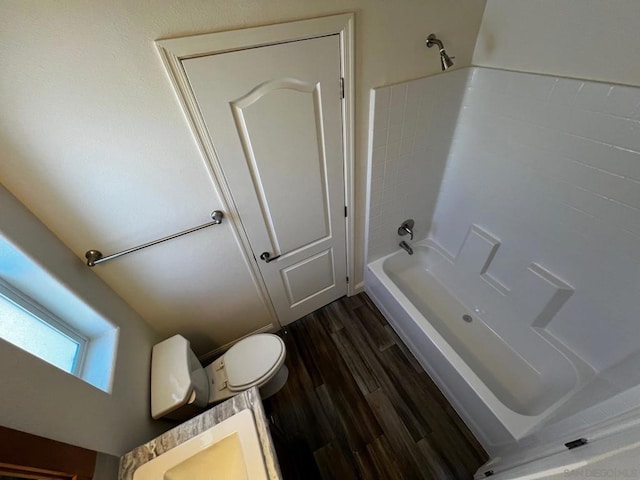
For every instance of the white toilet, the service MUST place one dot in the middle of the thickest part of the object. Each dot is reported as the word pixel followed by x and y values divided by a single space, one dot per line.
pixel 181 387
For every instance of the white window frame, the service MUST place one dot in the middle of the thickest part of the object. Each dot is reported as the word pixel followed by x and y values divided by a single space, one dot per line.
pixel 26 303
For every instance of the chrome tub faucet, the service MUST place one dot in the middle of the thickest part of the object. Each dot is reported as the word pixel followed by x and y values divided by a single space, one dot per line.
pixel 407 228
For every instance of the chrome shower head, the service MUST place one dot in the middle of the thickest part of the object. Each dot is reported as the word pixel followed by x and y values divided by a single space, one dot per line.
pixel 445 61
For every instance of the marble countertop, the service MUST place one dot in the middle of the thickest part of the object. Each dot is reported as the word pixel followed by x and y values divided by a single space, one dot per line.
pixel 129 462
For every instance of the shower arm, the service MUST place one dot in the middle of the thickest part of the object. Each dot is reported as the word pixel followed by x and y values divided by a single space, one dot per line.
pixel 432 40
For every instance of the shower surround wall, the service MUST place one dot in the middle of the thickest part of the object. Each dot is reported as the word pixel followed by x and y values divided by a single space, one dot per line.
pixel 413 124
pixel 551 168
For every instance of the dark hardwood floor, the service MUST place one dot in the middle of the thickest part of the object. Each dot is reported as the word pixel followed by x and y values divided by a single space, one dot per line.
pixel 358 405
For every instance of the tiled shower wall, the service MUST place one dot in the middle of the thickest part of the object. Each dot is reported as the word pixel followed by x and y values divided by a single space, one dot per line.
pixel 549 166
pixel 413 124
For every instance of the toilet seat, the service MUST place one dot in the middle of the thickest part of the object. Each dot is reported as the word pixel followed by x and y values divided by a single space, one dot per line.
pixel 253 361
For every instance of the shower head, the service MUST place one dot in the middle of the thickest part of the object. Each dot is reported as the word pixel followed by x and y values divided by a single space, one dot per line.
pixel 445 60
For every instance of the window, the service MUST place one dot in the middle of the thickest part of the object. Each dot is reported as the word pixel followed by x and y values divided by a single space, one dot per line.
pixel 47 310
pixel 31 327
pixel 42 316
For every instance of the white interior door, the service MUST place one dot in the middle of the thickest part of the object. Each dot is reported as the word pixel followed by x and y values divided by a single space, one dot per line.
pixel 274 115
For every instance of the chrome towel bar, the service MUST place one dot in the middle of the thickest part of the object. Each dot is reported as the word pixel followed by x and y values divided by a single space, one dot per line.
pixel 94 257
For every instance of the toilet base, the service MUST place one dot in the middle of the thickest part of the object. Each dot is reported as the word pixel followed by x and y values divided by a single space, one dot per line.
pixel 274 385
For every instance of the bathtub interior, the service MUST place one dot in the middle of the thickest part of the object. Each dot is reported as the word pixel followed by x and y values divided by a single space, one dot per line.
pixel 529 192
pixel 526 373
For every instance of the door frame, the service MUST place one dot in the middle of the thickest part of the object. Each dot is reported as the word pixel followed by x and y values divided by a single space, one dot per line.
pixel 173 51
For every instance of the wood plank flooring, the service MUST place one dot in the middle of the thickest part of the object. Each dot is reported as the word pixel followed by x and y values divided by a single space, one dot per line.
pixel 357 405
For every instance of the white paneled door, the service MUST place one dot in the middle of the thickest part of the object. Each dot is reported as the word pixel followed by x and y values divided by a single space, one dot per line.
pixel 274 115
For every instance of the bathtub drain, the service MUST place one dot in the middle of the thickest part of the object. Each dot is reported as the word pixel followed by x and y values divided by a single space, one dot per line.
pixel 467 318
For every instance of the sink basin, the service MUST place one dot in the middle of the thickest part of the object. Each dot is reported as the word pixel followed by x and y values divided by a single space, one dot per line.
pixel 228 450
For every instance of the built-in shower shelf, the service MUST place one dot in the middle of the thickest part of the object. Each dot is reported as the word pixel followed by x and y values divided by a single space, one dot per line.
pixel 534 298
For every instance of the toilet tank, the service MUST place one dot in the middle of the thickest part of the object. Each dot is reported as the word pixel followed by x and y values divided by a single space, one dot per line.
pixel 178 381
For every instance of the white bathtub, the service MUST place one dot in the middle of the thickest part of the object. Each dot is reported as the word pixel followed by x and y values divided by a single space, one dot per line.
pixel 502 390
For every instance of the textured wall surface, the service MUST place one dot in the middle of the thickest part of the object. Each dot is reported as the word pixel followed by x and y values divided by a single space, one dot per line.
pixel 94 142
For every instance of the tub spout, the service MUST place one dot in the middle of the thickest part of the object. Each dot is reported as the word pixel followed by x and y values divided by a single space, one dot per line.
pixel 405 246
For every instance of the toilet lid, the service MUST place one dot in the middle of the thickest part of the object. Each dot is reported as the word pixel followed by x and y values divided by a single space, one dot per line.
pixel 253 359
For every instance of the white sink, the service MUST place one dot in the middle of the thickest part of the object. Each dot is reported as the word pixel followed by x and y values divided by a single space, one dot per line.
pixel 228 450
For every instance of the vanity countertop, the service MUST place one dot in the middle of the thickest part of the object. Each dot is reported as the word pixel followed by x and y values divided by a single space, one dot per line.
pixel 129 462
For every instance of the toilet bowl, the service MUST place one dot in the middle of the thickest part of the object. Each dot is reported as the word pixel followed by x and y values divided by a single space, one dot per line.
pixel 181 387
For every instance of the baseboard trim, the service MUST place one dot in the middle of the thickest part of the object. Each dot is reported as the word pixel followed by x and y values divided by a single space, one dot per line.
pixel 358 288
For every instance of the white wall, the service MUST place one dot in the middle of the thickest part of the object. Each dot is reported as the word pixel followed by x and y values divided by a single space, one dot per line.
pixel 94 142
pixel 411 131
pixel 587 39
pixel 39 398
